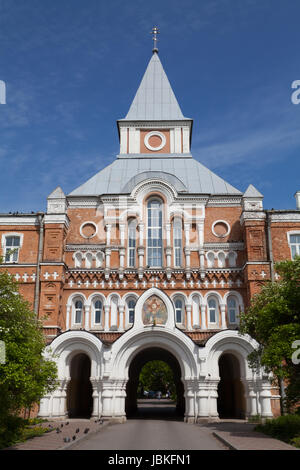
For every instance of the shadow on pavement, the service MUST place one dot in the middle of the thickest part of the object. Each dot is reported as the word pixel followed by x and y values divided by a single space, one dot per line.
pixel 157 409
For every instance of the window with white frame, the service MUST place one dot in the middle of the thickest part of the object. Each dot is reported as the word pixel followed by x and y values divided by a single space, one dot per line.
pixel 232 309
pixel 210 259
pixel 88 260
pixel 78 312
pixel 155 241
pixel 177 241
pixel 179 310
pixel 213 311
pixel 78 260
pixel 11 248
pixel 132 243
pixel 294 241
pixel 97 312
pixel 131 310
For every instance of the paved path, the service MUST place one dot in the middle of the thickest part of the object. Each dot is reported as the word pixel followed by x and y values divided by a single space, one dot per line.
pixel 239 435
pixel 138 434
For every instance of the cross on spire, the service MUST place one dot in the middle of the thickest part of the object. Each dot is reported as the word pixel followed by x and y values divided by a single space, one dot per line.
pixel 154 33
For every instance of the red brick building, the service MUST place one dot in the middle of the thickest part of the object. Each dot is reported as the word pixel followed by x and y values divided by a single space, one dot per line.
pixel 153 257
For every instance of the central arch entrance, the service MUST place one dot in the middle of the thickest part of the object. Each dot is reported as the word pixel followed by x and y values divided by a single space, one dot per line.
pixel 161 412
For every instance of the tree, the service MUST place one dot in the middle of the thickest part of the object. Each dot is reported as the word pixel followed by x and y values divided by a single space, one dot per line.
pixel 25 375
pixel 273 320
pixel 157 376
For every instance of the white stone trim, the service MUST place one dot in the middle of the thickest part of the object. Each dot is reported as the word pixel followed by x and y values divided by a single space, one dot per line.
pixel 86 223
pixel 220 222
pixel 155 133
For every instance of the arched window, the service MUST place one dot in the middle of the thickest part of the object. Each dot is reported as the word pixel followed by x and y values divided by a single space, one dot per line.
pixel 132 243
pixel 78 260
pixel 130 310
pixel 98 307
pixel 155 242
pixel 177 242
pixel 212 311
pixel 232 258
pixel 88 260
pixel 179 311
pixel 210 259
pixel 99 259
pixel 78 312
pixel 221 259
pixel 232 308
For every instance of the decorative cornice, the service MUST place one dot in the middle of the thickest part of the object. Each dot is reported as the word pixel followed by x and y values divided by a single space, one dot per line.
pixel 224 246
pixel 286 217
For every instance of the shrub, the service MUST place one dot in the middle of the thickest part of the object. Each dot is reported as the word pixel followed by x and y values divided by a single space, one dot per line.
pixel 286 428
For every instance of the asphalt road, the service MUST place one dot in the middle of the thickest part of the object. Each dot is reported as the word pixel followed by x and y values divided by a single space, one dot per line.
pixel 154 428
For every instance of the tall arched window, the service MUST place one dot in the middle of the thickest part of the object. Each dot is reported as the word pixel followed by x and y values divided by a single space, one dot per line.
pixel 210 259
pixel 232 308
pixel 179 311
pixel 177 242
pixel 98 307
pixel 212 311
pixel 131 243
pixel 78 312
pixel 131 308
pixel 155 242
pixel 88 260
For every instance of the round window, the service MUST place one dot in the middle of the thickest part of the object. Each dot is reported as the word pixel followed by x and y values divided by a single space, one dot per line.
pixel 88 230
pixel 155 141
pixel 220 228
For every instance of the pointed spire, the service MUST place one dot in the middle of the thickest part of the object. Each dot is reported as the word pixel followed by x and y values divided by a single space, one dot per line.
pixel 155 99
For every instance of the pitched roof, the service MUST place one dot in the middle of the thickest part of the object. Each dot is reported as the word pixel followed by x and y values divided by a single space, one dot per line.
pixel 185 174
pixel 251 191
pixel 154 99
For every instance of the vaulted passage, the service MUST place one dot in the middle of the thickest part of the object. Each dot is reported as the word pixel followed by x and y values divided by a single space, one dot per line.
pixel 148 408
pixel 79 393
pixel 231 396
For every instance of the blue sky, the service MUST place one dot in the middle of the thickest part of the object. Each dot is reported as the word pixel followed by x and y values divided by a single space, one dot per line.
pixel 72 68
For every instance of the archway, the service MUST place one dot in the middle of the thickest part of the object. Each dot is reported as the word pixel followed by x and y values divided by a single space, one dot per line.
pixel 79 392
pixel 131 403
pixel 231 396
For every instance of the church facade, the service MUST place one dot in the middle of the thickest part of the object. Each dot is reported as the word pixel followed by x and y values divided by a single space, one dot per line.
pixel 154 257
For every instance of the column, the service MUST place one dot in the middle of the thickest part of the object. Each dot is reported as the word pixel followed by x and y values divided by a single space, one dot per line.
pixel 187 234
pixel 106 317
pixel 108 231
pixel 265 399
pixel 203 317
pixel 177 138
pixel 122 234
pixel 123 139
pixel 223 317
pixel 69 307
pixel 107 258
pixel 189 416
pixel 141 234
pixel 189 316
pixel 97 408
pixel 121 312
pixel 87 309
pixel 122 257
pixel 187 252
pixel 169 256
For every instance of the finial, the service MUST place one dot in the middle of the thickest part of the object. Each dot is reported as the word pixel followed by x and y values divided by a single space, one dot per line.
pixel 154 33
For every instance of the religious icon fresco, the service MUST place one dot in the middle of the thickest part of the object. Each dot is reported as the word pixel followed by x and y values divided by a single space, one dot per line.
pixel 154 311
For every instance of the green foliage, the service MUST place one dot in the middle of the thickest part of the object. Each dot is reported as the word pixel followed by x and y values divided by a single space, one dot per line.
pixel 157 376
pixel 26 375
pixel 273 319
pixel 285 428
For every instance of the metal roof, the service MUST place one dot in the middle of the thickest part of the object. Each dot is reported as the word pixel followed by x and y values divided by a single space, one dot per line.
pixel 184 174
pixel 154 99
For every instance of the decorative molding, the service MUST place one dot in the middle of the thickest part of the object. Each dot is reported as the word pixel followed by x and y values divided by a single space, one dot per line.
pixel 224 246
pixel 286 217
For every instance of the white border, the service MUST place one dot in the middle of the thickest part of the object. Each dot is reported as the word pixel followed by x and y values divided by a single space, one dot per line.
pixel 159 134
pixel 223 222
pixel 85 223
